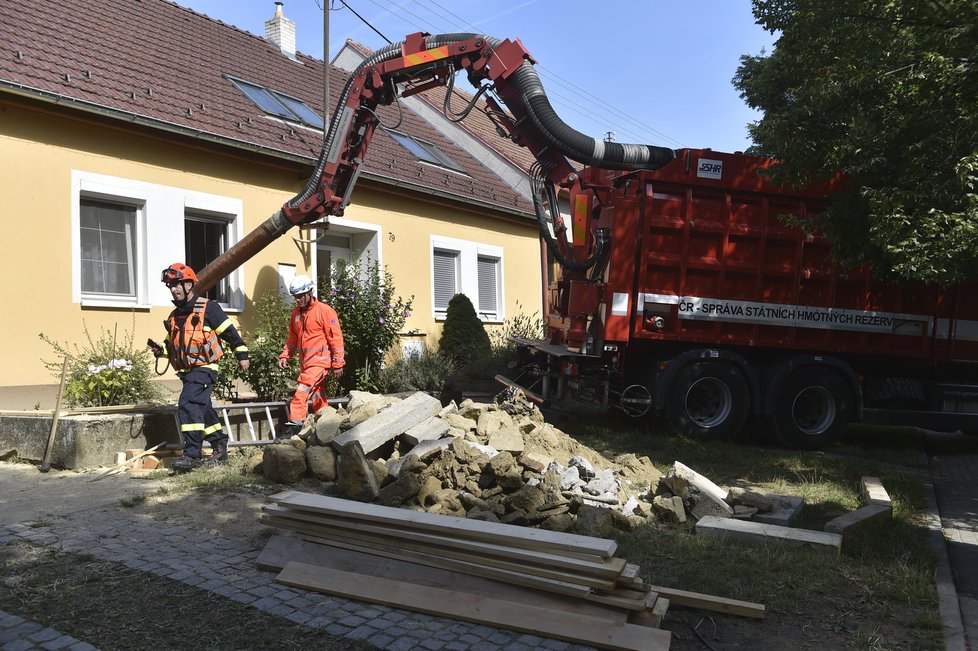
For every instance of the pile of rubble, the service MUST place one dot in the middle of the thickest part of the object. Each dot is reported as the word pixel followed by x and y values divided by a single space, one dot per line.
pixel 499 462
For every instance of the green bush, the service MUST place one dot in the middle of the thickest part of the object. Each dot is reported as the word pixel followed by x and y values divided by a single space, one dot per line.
pixel 105 371
pixel 426 372
pixel 464 337
pixel 371 317
pixel 265 343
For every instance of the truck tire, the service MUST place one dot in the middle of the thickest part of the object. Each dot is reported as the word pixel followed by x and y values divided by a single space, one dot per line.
pixel 707 400
pixel 812 409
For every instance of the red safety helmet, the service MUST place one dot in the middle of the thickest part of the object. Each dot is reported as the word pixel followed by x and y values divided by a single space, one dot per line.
pixel 178 272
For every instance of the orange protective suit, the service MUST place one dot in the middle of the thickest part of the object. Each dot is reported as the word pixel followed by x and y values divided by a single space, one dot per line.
pixel 315 334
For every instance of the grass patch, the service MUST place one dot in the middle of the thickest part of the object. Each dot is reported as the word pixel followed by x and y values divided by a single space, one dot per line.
pixel 105 604
pixel 238 476
pixel 133 501
pixel 879 594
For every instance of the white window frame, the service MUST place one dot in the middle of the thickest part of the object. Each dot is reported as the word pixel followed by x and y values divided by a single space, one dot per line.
pixel 159 235
pixel 136 254
pixel 468 253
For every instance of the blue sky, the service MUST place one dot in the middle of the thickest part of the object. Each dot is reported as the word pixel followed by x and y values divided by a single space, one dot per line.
pixel 653 71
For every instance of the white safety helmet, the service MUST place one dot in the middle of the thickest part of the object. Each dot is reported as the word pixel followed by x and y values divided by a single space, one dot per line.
pixel 301 285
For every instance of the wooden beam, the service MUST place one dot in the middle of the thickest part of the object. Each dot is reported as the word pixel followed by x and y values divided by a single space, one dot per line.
pixel 476 608
pixel 310 532
pixel 279 551
pixel 606 568
pixel 709 602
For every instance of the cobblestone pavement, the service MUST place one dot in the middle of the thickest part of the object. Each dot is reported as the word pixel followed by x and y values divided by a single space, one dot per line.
pixel 954 472
pixel 145 545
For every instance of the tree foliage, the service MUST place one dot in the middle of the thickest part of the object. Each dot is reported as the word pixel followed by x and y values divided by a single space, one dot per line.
pixel 884 92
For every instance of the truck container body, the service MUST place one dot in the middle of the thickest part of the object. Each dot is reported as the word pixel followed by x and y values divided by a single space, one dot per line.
pixel 717 304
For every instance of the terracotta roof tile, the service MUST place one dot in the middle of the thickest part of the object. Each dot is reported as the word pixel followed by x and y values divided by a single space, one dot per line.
pixel 115 53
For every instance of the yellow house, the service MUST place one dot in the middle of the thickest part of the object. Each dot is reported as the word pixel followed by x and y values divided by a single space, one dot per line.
pixel 136 134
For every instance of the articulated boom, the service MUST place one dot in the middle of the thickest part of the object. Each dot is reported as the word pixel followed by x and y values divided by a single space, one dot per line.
pixel 417 69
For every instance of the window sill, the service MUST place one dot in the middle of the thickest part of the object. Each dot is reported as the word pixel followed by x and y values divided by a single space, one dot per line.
pixel 119 305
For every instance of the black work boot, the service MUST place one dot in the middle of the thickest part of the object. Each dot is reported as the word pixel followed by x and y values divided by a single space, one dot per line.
pixel 219 456
pixel 185 464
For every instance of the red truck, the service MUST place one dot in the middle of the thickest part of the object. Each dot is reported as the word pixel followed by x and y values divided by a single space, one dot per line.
pixel 711 310
pixel 682 290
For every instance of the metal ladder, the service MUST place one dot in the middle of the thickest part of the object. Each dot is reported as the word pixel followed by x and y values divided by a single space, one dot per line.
pixel 247 407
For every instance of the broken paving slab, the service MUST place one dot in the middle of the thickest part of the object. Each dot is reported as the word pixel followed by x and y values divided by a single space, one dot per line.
pixel 390 422
pixel 787 509
pixel 759 532
pixel 709 500
pixel 430 429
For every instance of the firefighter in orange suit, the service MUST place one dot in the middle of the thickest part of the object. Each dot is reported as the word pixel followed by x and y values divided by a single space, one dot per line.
pixel 193 330
pixel 314 332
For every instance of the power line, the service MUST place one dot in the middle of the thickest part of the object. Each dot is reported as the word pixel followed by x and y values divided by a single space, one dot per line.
pixel 599 110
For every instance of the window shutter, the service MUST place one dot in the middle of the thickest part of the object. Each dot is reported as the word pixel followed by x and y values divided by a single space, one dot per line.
pixel 445 280
pixel 488 278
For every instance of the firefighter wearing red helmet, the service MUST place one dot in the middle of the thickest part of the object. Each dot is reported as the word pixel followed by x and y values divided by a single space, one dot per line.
pixel 194 329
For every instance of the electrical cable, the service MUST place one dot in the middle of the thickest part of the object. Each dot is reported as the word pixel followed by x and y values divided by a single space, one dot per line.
pixel 565 102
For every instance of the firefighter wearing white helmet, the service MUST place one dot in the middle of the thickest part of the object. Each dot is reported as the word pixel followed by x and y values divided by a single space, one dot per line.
pixel 315 335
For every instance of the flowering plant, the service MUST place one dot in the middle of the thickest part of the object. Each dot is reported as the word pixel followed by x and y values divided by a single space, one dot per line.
pixel 105 372
pixel 371 316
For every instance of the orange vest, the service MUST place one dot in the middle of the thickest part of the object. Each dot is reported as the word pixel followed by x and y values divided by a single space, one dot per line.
pixel 192 343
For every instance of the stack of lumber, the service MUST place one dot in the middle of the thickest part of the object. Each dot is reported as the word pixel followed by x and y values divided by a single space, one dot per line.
pixel 552 584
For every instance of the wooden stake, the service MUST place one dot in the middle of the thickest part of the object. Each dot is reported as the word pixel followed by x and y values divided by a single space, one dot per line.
pixel 46 463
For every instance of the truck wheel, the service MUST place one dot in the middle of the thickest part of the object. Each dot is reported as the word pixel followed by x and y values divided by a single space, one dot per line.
pixel 707 400
pixel 812 408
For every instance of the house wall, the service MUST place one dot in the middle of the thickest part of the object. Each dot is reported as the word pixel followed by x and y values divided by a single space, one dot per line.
pixel 45 154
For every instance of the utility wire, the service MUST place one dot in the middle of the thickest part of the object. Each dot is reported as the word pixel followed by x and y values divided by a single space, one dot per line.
pixel 365 22
pixel 598 112
pixel 546 73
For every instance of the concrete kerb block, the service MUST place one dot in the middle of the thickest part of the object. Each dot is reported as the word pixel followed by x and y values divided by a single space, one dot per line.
pixel 872 491
pixel 758 532
pixel 871 515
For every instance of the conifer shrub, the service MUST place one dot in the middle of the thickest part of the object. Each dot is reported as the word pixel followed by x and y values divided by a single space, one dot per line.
pixel 464 337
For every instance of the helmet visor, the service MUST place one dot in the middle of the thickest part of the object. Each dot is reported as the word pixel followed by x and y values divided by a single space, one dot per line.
pixel 171 276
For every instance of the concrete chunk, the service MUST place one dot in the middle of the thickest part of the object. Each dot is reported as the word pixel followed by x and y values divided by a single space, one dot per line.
pixel 766 533
pixel 390 423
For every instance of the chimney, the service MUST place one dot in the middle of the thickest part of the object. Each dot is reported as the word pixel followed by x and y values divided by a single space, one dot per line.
pixel 281 31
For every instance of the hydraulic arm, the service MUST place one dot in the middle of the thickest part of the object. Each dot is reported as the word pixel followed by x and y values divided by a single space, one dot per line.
pixel 501 67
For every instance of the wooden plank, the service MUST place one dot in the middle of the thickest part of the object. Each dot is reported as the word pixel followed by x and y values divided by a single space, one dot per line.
pixel 605 568
pixel 523 567
pixel 280 550
pixel 476 608
pixel 709 602
pixel 121 466
pixel 494 532
pixel 537 583
pixel 311 532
